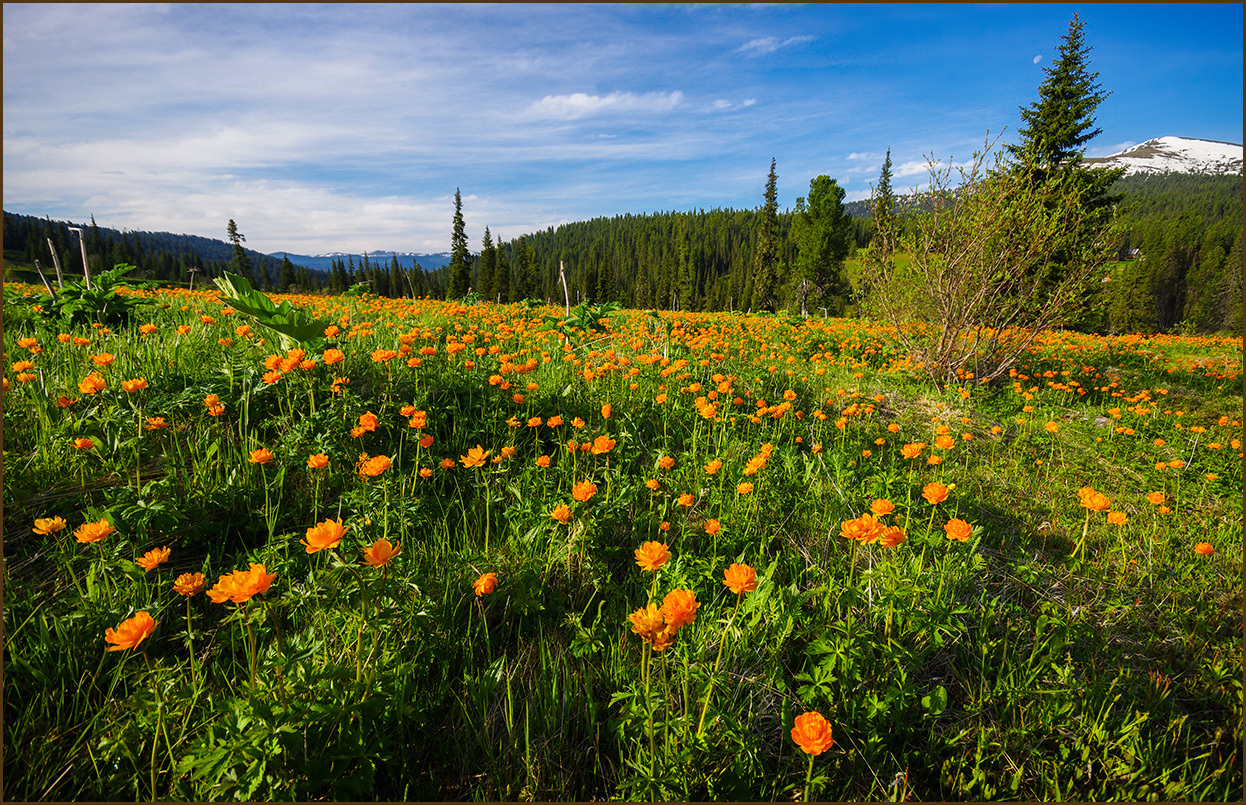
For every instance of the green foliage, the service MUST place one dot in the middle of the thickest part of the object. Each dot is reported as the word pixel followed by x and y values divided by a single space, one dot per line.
pixel 105 302
pixel 289 324
pixel 823 236
pixel 585 320
pixel 460 269
pixel 766 255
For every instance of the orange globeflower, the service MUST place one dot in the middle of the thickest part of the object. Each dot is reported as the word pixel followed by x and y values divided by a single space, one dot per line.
pixel 1095 501
pixel 934 493
pixel 103 359
pixel 652 484
pixel 189 584
pixel 542 461
pixel 91 384
pixel 317 461
pixel 666 462
pixel 332 356
pixel 1155 498
pixel 486 584
pixel 812 733
pixel 912 450
pixel 892 536
pixel 882 507
pixel 743 488
pixel 84 443
pixel 153 558
pixel 137 384
pixel 155 423
pixel 93 532
pixel 740 579
pixel 583 491
pixel 447 463
pixel 605 411
pixel 49 525
pixel 958 529
pixel 603 444
pixel 426 441
pixel 380 552
pixel 686 499
pixel 368 421
pixel 713 467
pixel 652 555
pixel 679 608
pixel 261 456
pixel 374 466
pixel 129 633
pixel 554 421
pixel 327 534
pixel 1118 518
pixel 864 529
pixel 646 622
pixel 241 585
pixel 713 527
pixel 1204 548
pixel 561 513
pixel 475 457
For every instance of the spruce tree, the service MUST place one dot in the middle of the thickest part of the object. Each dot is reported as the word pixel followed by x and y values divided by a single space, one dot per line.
pixel 241 262
pixel 488 265
pixel 766 253
pixel 823 234
pixel 460 258
pixel 286 277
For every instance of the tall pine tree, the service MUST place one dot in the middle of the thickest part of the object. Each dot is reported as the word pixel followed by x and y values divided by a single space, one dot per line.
pixel 241 262
pixel 766 253
pixel 823 234
pixel 460 258
pixel 488 265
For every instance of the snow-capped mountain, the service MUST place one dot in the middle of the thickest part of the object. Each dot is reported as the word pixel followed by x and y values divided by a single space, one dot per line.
pixel 1176 155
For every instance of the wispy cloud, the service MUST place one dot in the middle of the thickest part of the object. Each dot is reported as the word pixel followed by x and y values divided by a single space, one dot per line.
pixel 769 44
pixel 579 104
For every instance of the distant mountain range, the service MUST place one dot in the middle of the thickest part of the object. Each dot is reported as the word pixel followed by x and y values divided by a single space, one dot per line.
pixel 1176 155
pixel 323 262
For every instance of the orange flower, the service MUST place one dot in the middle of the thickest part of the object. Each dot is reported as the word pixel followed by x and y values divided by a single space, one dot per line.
pixel 426 440
pixel 426 472
pixel 1118 518
pixel 934 493
pixel 1176 464
pixel 383 355
pixel 882 507
pixel 652 555
pixel 1095 501
pixel 812 733
pixel 542 461
pixel 317 461
pixel 583 490
pixel 1052 427
pixel 91 384
pixel 485 584
pixel 1155 498
pixel 475 457
pixel 553 421
pixel 153 558
pixel 686 499
pixel 912 450
pixel 958 529
pixel 374 466
pixel 189 584
pixel 93 532
pixel 241 585
pixel 646 622
pixel 327 534
pixel 561 513
pixel 864 529
pixel 666 462
pixel 367 421
pixel 155 423
pixel 49 525
pixel 380 552
pixel 652 484
pixel 1204 548
pixel 679 608
pixel 84 443
pixel 740 579
pixel 129 633
pixel 713 467
pixel 261 456
pixel 605 411
pixel 211 400
pixel 744 488
pixel 103 359
pixel 447 463
pixel 713 527
pixel 603 444
pixel 137 384
pixel 892 536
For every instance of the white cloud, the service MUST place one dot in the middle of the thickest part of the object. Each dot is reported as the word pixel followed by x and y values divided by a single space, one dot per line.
pixel 867 155
pixel 579 104
pixel 749 102
pixel 721 104
pixel 769 44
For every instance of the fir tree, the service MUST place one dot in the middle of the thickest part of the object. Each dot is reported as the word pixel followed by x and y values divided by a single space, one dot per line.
pixel 823 234
pixel 286 277
pixel 460 258
pixel 766 254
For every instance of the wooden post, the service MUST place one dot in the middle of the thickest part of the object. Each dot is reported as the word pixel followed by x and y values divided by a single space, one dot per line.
pixel 86 265
pixel 565 294
pixel 56 261
pixel 46 284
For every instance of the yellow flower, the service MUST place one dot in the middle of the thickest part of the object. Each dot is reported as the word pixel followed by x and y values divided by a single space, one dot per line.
pixel 49 525
pixel 327 534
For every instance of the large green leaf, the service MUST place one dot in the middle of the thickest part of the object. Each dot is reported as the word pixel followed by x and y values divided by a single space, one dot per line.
pixel 292 326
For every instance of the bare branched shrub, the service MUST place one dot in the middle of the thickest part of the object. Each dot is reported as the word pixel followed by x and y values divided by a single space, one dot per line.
pixel 985 264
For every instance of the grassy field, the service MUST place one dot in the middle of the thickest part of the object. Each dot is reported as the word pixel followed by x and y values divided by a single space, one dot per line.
pixel 447 554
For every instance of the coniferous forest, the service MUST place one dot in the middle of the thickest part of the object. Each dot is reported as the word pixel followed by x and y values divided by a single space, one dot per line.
pixel 1185 274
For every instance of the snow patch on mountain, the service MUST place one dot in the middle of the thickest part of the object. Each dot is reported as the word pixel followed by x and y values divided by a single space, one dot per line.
pixel 1176 155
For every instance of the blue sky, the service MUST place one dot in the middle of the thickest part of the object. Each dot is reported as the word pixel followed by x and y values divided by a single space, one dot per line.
pixel 348 127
